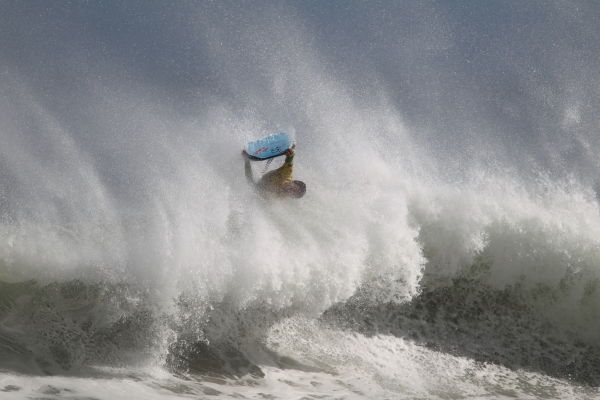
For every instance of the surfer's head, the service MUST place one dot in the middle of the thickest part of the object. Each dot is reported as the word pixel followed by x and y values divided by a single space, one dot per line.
pixel 295 189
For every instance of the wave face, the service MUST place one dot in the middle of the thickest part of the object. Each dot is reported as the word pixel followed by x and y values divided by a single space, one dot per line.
pixel 452 214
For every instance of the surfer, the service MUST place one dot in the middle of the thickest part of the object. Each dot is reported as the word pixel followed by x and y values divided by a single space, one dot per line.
pixel 278 182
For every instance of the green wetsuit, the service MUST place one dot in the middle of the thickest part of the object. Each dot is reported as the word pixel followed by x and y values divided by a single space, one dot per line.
pixel 274 181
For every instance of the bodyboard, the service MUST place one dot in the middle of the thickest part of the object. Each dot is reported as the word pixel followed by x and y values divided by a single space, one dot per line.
pixel 269 146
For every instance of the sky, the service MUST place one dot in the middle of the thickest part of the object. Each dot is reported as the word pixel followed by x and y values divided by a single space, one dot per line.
pixel 505 80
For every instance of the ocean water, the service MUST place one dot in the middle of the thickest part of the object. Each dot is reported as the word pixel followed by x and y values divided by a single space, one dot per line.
pixel 448 246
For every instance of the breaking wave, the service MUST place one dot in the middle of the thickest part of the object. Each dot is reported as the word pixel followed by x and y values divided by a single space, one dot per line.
pixel 128 235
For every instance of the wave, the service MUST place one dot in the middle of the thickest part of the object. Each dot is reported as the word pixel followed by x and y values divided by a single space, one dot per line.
pixel 75 328
pixel 443 204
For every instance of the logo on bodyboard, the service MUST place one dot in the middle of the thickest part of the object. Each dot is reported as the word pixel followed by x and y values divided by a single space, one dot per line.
pixel 261 150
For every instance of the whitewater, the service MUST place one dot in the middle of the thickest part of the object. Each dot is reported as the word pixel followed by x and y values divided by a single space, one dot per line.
pixel 448 246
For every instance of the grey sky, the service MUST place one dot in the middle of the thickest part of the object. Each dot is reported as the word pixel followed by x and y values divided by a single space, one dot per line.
pixel 521 77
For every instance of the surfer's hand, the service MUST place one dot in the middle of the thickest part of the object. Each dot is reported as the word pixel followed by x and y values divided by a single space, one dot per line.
pixel 289 152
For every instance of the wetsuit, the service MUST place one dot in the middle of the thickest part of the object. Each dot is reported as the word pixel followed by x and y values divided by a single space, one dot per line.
pixel 274 181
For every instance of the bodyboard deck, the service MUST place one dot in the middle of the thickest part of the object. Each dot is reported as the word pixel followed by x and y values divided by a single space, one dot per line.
pixel 269 146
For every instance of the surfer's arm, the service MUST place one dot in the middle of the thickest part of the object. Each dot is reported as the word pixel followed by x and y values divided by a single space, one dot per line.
pixel 247 168
pixel 289 156
pixel 248 171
